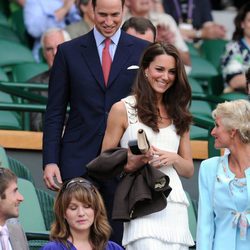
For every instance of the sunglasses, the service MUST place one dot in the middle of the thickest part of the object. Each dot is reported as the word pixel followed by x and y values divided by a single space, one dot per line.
pixel 78 181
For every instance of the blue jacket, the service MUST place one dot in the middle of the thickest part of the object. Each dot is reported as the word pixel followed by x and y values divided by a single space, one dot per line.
pixel 217 209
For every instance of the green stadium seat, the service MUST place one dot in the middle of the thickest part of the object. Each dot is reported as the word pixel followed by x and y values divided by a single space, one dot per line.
pixel 4 161
pixel 13 53
pixel 30 213
pixel 25 71
pixel 3 76
pixel 7 33
pixel 3 19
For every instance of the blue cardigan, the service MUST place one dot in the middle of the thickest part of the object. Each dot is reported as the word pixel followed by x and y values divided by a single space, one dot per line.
pixel 55 245
pixel 217 209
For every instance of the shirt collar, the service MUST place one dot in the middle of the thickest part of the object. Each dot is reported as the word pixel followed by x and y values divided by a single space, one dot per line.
pixel 99 37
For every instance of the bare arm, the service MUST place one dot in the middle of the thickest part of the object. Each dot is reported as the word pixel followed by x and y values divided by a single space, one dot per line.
pixel 182 161
pixel 63 11
pixel 116 125
pixel 238 82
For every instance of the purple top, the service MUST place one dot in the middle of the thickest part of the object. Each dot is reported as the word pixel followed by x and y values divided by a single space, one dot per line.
pixel 55 245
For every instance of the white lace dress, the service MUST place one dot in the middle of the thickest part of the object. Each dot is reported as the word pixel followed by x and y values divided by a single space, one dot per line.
pixel 168 228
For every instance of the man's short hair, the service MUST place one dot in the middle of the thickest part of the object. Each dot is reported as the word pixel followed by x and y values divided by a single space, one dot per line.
pixel 140 24
pixel 94 3
pixel 6 177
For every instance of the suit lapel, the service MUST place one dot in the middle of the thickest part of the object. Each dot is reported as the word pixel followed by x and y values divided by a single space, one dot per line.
pixel 91 57
pixel 122 54
pixel 13 234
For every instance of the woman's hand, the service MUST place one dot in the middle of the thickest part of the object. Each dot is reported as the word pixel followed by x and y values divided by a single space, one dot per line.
pixel 163 158
pixel 134 162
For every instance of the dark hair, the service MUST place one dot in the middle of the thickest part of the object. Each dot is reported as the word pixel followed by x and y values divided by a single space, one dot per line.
pixel 248 75
pixel 240 17
pixel 140 24
pixel 94 3
pixel 85 192
pixel 248 80
pixel 84 2
pixel 176 99
pixel 6 177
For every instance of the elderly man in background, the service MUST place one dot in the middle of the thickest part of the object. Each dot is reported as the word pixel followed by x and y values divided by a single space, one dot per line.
pixel 49 41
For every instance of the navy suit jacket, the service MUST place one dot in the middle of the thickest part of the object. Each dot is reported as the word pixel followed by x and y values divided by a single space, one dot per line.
pixel 77 79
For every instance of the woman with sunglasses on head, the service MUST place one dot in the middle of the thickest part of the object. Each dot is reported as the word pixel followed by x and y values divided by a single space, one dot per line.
pixel 81 221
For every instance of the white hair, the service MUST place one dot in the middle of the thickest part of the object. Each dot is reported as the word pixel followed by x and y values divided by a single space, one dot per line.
pixel 65 34
pixel 235 115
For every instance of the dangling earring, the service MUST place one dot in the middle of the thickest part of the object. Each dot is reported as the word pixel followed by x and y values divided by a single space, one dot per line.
pixel 146 75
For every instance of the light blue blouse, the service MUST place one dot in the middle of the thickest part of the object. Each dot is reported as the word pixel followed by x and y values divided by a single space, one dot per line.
pixel 224 207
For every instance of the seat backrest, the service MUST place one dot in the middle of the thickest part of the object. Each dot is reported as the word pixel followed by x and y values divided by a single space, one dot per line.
pixel 13 53
pixel 17 23
pixel 212 50
pixel 3 18
pixel 46 201
pixel 9 119
pixel 4 162
pixel 8 34
pixel 3 75
pixel 201 108
pixel 30 214
pixel 195 85
pixel 20 170
pixel 25 71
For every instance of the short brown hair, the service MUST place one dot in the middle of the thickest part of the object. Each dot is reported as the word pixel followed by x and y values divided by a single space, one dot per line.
pixel 140 24
pixel 6 177
pixel 94 3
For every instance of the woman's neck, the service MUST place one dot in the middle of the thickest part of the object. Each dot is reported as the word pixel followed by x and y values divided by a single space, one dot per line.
pixel 80 240
pixel 239 159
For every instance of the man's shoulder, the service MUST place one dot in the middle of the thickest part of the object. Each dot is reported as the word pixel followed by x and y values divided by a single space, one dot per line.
pixel 14 225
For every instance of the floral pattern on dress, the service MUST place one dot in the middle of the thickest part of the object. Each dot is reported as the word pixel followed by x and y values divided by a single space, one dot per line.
pixel 236 185
pixel 235 60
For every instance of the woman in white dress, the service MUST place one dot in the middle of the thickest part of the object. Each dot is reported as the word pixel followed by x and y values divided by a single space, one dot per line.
pixel 159 105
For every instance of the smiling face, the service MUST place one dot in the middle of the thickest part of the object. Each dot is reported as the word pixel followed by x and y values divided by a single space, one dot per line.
pixel 221 134
pixel 79 216
pixel 108 16
pixel 9 205
pixel 161 73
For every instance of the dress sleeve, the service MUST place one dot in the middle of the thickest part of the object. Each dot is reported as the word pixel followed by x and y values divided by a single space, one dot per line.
pixel 205 226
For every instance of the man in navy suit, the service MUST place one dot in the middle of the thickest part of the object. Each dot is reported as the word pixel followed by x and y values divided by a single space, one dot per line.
pixel 77 79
